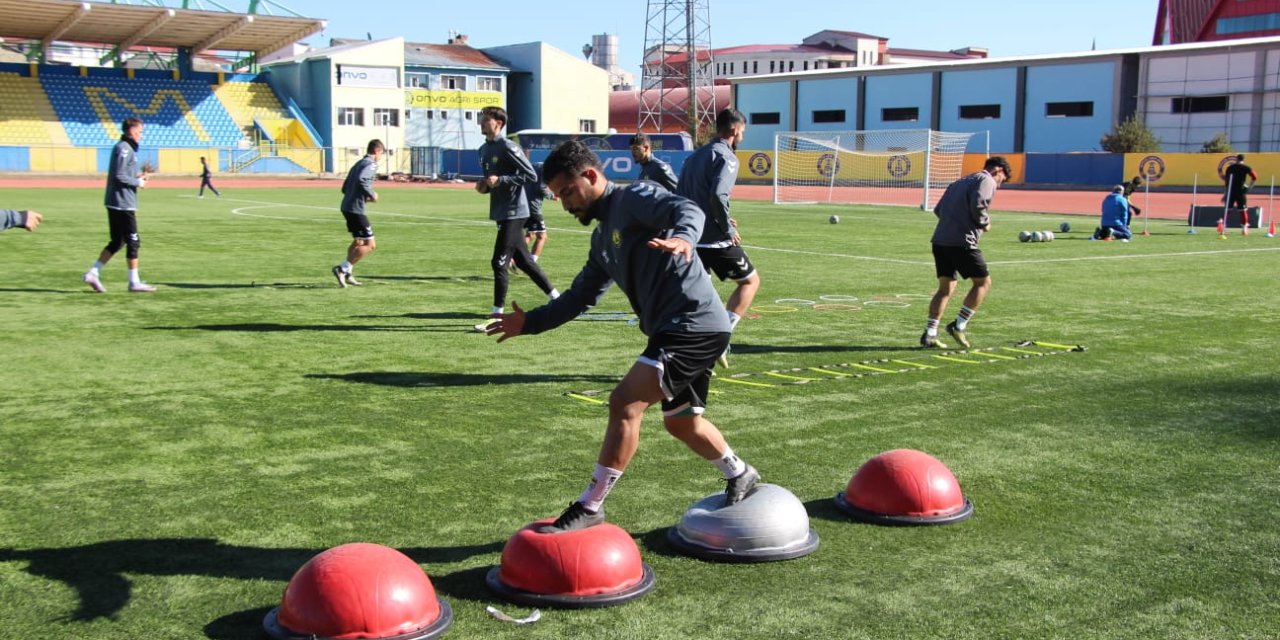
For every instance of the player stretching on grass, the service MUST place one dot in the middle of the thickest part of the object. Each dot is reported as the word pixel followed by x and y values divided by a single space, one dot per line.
pixel 706 178
pixel 123 181
pixel 357 189
pixel 962 219
pixel 644 242
pixel 506 172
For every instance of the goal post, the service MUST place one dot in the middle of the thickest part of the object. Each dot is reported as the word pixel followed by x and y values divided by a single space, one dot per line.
pixel 907 167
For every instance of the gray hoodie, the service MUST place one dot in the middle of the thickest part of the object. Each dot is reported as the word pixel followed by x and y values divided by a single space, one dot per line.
pixel 122 177
pixel 668 293
pixel 503 158
pixel 706 178
pixel 358 186
pixel 962 211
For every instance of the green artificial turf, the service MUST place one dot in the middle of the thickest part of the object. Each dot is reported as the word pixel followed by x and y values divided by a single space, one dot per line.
pixel 168 461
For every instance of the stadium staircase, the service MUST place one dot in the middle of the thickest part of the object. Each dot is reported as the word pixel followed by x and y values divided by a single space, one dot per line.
pixel 273 130
pixel 26 116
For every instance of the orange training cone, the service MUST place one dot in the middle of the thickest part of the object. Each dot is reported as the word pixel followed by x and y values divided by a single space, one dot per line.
pixel 1271 232
pixel 1222 229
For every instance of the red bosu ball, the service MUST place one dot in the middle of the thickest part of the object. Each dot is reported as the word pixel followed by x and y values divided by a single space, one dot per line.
pixel 904 487
pixel 359 590
pixel 598 566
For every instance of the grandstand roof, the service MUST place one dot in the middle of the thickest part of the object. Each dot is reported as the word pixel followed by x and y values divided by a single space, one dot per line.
pixel 129 25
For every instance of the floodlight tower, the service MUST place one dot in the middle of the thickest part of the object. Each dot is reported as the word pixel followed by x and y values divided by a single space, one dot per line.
pixel 676 29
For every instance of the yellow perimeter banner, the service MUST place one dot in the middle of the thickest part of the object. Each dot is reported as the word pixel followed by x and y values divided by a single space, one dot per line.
pixel 759 165
pixel 433 99
pixel 1202 169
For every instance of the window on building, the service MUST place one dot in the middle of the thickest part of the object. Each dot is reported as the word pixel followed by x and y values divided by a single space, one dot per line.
pixel 766 118
pixel 407 113
pixel 587 126
pixel 1247 24
pixel 791 65
pixel 900 114
pixel 351 116
pixel 732 67
pixel 468 114
pixel 1068 109
pixel 771 66
pixel 828 115
pixel 417 80
pixel 1201 104
pixel 806 65
pixel 755 66
pixel 979 111
pixel 431 114
pixel 453 82
pixel 386 117
pixel 489 83
pixel 444 115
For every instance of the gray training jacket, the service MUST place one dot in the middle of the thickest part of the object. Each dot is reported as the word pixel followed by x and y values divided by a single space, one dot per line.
pixel 122 177
pixel 657 170
pixel 503 158
pixel 10 218
pixel 706 178
pixel 668 293
pixel 962 211
pixel 358 186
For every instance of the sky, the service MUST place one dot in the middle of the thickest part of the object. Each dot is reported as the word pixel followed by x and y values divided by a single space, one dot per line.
pixel 1009 28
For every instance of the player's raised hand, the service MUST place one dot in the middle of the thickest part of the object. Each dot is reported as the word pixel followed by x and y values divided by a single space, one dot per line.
pixel 677 246
pixel 509 325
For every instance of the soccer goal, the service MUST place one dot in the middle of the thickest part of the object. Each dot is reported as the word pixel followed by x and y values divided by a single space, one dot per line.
pixel 909 167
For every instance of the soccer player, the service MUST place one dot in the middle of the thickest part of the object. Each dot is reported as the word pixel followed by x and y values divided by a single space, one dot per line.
pixel 643 241
pixel 651 167
pixel 706 178
pixel 1239 178
pixel 535 227
pixel 123 181
pixel 357 189
pixel 206 178
pixel 962 219
pixel 506 172
pixel 11 218
pixel 1115 217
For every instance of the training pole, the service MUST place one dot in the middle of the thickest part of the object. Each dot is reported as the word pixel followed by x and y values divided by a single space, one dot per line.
pixel 1146 204
pixel 1195 181
pixel 1271 199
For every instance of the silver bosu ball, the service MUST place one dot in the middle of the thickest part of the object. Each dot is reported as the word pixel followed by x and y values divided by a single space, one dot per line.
pixel 769 524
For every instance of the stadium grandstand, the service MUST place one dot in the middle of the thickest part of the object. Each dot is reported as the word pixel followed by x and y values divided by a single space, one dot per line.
pixel 71 72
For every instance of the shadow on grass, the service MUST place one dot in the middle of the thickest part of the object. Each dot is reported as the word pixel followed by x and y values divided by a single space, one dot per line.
pixel 488 278
pixel 251 285
pixel 275 327
pixel 99 572
pixel 826 509
pixel 424 379
pixel 34 290
pixel 442 315
pixel 745 349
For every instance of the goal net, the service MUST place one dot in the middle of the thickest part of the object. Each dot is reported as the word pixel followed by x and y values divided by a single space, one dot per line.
pixel 910 167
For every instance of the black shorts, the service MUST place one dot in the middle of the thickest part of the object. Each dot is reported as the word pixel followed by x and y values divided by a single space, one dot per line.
pixel 358 225
pixel 728 263
pixel 684 362
pixel 534 223
pixel 1237 199
pixel 948 261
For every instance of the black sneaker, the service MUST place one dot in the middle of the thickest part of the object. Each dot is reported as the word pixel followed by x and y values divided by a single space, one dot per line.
pixel 574 518
pixel 958 334
pixel 340 275
pixel 740 486
pixel 931 342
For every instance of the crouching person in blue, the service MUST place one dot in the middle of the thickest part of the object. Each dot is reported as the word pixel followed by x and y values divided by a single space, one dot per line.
pixel 1115 217
pixel 644 241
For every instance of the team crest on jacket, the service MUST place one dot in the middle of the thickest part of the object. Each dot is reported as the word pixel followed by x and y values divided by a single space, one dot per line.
pixel 617 238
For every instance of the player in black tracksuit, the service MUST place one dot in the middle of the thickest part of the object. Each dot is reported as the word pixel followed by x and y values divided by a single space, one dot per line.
pixel 1239 178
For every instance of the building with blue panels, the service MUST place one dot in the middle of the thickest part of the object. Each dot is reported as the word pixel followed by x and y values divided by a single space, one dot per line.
pixel 1186 94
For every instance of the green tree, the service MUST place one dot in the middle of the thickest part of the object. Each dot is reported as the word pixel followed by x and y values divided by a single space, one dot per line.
pixel 1217 144
pixel 1131 136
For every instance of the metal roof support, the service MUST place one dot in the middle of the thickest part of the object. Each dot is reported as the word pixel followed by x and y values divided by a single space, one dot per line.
pixel 63 27
pixel 147 29
pixel 222 34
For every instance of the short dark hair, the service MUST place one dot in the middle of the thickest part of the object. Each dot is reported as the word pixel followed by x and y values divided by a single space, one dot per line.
pixel 496 113
pixel 727 118
pixel 571 157
pixel 1240 158
pixel 998 162
pixel 639 138
pixel 374 145
pixel 130 123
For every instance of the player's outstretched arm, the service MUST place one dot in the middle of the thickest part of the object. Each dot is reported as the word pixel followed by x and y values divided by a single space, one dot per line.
pixel 509 325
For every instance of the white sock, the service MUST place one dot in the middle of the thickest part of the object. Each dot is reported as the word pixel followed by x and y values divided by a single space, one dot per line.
pixel 345 266
pixel 535 257
pixel 497 311
pixel 555 293
pixel 133 277
pixel 602 482
pixel 730 464
pixel 733 320
pixel 97 265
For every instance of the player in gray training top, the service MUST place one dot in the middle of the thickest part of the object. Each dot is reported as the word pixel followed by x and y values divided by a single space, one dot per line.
pixel 535 227
pixel 643 241
pixel 962 219
pixel 10 218
pixel 506 172
pixel 651 167
pixel 123 181
pixel 707 178
pixel 357 189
